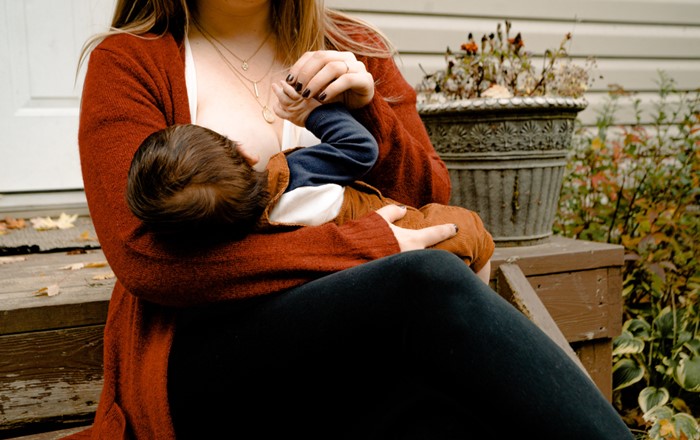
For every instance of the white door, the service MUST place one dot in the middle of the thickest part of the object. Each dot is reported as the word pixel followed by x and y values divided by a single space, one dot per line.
pixel 40 42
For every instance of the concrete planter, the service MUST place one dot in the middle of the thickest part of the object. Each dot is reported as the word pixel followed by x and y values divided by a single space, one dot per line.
pixel 506 159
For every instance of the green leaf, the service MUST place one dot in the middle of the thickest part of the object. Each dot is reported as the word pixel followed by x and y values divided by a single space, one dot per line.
pixel 652 397
pixel 694 346
pixel 687 373
pixel 664 323
pixel 638 327
pixel 687 425
pixel 625 373
pixel 626 343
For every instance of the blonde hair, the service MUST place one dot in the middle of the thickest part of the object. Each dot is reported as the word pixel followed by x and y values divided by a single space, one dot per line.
pixel 300 26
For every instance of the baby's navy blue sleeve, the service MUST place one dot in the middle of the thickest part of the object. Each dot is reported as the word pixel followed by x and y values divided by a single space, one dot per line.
pixel 346 153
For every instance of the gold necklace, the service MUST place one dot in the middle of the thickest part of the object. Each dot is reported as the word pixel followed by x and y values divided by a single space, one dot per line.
pixel 244 62
pixel 267 113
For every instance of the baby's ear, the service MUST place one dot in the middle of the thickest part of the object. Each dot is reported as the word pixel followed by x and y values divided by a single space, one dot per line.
pixel 251 158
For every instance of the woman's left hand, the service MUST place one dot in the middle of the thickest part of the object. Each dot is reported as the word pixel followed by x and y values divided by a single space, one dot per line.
pixel 330 75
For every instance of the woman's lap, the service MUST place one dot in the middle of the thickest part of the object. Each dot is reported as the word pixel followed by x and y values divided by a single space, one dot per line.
pixel 414 340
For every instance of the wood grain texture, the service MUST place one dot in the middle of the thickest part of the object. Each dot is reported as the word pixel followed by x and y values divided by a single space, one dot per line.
pixel 516 289
pixel 50 375
pixel 82 299
pixel 596 356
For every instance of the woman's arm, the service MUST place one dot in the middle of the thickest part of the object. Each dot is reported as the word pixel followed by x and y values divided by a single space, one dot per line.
pixel 133 87
pixel 408 169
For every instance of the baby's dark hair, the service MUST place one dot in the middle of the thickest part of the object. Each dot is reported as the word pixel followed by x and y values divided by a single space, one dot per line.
pixel 188 178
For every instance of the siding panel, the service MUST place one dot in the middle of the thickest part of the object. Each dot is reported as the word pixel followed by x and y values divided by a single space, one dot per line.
pixel 616 11
pixel 631 39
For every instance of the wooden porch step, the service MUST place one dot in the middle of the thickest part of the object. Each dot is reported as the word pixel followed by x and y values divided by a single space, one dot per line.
pixel 51 346
pixel 52 435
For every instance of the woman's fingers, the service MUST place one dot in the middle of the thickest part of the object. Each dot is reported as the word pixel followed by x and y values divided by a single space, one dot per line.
pixel 412 239
pixel 332 76
pixel 391 213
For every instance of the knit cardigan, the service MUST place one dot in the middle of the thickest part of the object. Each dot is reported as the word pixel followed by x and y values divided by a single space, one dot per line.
pixel 135 86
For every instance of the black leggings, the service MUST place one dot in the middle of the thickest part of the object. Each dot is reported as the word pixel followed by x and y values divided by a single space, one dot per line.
pixel 412 346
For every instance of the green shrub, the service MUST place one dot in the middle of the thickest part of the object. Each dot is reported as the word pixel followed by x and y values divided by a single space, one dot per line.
pixel 638 185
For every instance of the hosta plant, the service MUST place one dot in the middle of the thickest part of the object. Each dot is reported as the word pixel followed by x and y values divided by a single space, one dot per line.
pixel 638 185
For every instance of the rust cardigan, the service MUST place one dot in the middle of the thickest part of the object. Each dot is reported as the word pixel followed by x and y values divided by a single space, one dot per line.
pixel 135 86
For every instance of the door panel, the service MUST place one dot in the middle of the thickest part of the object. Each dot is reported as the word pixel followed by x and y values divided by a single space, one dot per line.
pixel 40 42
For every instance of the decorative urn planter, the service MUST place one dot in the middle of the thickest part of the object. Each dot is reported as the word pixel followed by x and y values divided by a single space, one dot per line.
pixel 506 158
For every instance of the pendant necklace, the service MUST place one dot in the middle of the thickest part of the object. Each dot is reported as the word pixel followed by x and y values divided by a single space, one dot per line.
pixel 244 62
pixel 267 113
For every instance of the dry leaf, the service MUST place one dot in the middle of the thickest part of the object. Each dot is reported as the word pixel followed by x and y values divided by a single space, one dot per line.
pixel 51 290
pixel 74 266
pixel 14 223
pixel 104 276
pixel 64 221
pixel 85 236
pixel 6 260
pixel 77 266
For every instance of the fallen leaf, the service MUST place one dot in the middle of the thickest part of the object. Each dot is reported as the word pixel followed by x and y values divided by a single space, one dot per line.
pixel 78 266
pixel 14 223
pixel 51 290
pixel 6 260
pixel 104 276
pixel 74 266
pixel 64 221
pixel 85 236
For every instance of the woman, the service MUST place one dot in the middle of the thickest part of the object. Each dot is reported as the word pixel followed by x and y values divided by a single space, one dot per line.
pixel 330 332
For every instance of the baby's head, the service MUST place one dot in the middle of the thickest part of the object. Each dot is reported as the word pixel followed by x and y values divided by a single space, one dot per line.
pixel 187 178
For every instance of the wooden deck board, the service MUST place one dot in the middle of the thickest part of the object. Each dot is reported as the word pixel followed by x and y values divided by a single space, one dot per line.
pixel 51 346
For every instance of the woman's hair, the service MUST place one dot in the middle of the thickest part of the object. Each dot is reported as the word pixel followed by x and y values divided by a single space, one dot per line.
pixel 300 26
pixel 187 178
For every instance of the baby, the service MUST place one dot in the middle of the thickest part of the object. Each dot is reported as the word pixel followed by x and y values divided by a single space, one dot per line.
pixel 190 178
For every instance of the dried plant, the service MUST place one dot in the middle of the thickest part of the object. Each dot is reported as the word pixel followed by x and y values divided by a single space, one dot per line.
pixel 499 66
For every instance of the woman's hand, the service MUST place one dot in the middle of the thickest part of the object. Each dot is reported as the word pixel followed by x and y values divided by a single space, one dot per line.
pixel 290 105
pixel 330 75
pixel 412 239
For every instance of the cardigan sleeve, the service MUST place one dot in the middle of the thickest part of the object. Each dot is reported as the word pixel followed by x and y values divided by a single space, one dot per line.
pixel 134 86
pixel 408 169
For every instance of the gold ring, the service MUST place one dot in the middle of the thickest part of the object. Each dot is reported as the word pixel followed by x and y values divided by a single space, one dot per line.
pixel 347 68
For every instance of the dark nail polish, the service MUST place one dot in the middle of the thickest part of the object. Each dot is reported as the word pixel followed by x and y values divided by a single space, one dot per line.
pixel 322 96
pixel 298 87
pixel 306 93
pixel 290 78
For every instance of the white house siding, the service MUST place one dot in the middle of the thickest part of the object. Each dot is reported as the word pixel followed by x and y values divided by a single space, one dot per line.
pixel 630 39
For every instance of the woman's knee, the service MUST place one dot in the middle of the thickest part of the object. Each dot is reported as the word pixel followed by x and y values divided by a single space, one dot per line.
pixel 439 267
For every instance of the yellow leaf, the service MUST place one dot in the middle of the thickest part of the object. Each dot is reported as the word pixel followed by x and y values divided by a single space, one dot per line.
pixel 51 290
pixel 78 266
pixel 85 236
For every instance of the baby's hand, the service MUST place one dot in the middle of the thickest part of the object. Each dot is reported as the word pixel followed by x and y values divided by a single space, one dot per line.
pixel 291 105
